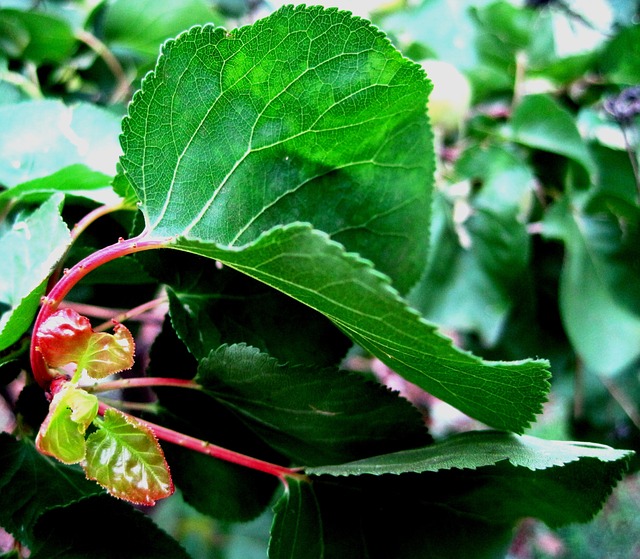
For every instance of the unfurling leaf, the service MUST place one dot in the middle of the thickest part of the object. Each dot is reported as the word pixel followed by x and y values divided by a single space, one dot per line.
pixel 125 458
pixel 67 337
pixel 62 433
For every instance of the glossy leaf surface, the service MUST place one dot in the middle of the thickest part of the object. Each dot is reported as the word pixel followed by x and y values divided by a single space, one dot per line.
pixel 66 337
pixel 125 458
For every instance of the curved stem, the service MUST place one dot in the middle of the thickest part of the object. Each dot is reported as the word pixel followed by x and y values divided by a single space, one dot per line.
pixel 198 445
pixel 69 279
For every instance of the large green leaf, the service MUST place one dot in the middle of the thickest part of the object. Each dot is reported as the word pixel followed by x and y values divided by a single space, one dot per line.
pixel 557 481
pixel 307 115
pixel 31 248
pixel 315 416
pixel 475 449
pixel 310 267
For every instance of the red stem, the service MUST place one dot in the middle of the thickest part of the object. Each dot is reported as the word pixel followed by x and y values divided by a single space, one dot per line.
pixel 70 278
pixel 198 445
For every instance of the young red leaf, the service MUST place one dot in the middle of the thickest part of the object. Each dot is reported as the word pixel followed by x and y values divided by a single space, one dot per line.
pixel 67 337
pixel 62 432
pixel 125 458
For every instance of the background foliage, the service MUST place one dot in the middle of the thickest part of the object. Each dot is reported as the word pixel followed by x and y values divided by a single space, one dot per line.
pixel 534 239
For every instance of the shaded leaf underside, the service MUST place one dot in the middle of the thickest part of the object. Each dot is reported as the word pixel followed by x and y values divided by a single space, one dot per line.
pixel 311 268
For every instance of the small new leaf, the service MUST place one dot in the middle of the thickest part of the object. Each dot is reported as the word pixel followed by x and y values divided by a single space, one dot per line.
pixel 62 433
pixel 125 458
pixel 66 337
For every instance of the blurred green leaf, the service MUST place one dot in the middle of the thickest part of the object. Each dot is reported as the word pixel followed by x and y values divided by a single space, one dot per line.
pixel 39 138
pixel 471 286
pixel 620 59
pixel 139 27
pixel 542 123
pixel 35 36
pixel 599 296
pixel 76 180
pixel 33 246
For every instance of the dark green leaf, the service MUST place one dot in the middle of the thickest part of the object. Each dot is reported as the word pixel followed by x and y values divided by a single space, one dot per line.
pixel 308 125
pixel 234 493
pixel 385 519
pixel 31 484
pixel 77 531
pixel 33 246
pixel 38 138
pixel 211 305
pixel 297 527
pixel 558 482
pixel 314 416
pixel 311 268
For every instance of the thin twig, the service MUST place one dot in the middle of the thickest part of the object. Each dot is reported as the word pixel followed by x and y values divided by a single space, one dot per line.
pixel 132 313
pixel 123 88
pixel 623 400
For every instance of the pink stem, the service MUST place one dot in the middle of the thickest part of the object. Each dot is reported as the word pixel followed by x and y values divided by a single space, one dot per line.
pixel 198 445
pixel 141 382
pixel 70 278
